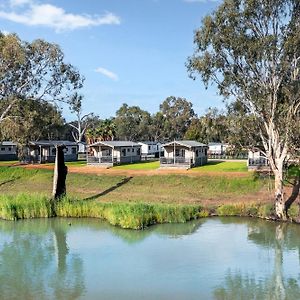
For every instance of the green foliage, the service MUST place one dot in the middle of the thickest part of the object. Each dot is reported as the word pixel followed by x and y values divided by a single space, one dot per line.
pixel 132 123
pixel 34 71
pixel 211 127
pixel 125 215
pixel 100 130
pixel 128 215
pixel 178 114
pixel 36 120
pixel 251 50
pixel 24 206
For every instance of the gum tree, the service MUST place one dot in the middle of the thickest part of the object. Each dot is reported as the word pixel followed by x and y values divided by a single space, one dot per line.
pixel 35 71
pixel 79 126
pixel 251 50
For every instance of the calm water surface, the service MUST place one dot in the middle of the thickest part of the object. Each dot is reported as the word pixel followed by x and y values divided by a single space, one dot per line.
pixel 215 258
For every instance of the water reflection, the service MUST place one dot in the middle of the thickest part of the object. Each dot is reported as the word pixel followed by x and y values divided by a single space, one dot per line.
pixel 279 237
pixel 221 258
pixel 35 263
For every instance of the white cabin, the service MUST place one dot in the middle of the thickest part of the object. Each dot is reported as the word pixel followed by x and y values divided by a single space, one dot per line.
pixel 184 154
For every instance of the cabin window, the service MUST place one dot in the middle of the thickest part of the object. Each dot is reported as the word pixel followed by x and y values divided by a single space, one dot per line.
pixel 157 147
pixel 9 148
pixel 149 147
pixel 53 151
pixel 176 152
pixel 74 150
pixel 197 153
pixel 132 150
pixel 205 151
pixel 3 149
pixel 124 152
pixel 128 149
pixel 138 151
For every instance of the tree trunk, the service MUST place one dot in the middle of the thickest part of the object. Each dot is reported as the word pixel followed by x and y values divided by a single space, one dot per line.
pixel 281 205
pixel 60 174
pixel 279 288
pixel 279 196
pixel 294 195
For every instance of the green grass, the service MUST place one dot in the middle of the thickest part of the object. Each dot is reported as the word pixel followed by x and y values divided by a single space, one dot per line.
pixel 147 165
pixel 125 215
pixel 129 202
pixel 180 189
pixel 223 166
pixel 215 166
pixel 8 162
pixel 79 163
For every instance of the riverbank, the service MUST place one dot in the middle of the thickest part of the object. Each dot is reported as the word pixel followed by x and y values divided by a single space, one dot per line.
pixel 134 201
pixel 125 215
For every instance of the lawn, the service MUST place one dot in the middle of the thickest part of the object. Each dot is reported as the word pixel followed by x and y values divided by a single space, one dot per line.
pixel 8 162
pixel 179 189
pixel 211 166
pixel 146 165
pixel 223 166
pixel 131 201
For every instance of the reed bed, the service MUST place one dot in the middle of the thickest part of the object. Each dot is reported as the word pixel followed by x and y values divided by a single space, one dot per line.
pixel 125 215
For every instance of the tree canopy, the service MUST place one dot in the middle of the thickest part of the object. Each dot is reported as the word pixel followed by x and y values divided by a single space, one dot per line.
pixel 178 114
pixel 35 71
pixel 251 50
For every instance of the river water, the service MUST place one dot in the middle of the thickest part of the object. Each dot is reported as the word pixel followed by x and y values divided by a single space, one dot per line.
pixel 213 258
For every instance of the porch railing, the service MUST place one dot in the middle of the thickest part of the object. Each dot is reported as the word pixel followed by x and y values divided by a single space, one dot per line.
pixel 261 161
pixel 38 159
pixel 101 160
pixel 178 160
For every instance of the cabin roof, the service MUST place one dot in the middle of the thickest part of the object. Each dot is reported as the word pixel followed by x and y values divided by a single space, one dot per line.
pixel 8 143
pixel 114 144
pixel 187 143
pixel 52 143
pixel 149 143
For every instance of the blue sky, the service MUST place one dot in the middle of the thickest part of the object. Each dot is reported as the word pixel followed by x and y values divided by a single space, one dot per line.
pixel 130 51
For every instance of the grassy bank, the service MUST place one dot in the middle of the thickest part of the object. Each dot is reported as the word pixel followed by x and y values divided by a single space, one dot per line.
pixel 170 189
pixel 211 166
pixel 125 215
pixel 132 202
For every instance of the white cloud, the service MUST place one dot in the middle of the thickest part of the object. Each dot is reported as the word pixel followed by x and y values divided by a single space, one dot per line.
pixel 107 73
pixel 48 15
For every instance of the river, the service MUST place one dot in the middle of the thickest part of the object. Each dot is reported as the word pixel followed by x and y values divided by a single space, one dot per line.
pixel 212 258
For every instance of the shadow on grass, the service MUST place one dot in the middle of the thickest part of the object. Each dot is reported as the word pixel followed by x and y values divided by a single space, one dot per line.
pixel 9 181
pixel 119 184
pixel 142 162
pixel 213 163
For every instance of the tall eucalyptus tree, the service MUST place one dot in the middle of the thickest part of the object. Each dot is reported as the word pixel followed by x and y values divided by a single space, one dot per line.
pixel 251 50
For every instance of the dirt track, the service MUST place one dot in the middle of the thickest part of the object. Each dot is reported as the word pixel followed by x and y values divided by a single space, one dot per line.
pixel 99 171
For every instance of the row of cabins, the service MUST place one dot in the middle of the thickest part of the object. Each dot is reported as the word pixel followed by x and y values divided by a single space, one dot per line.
pixel 38 152
pixel 185 154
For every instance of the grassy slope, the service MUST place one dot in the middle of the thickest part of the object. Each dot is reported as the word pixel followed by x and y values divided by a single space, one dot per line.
pixel 178 189
pixel 131 202
pixel 215 166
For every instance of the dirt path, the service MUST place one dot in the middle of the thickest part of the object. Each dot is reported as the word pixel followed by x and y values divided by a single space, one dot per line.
pixel 100 171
